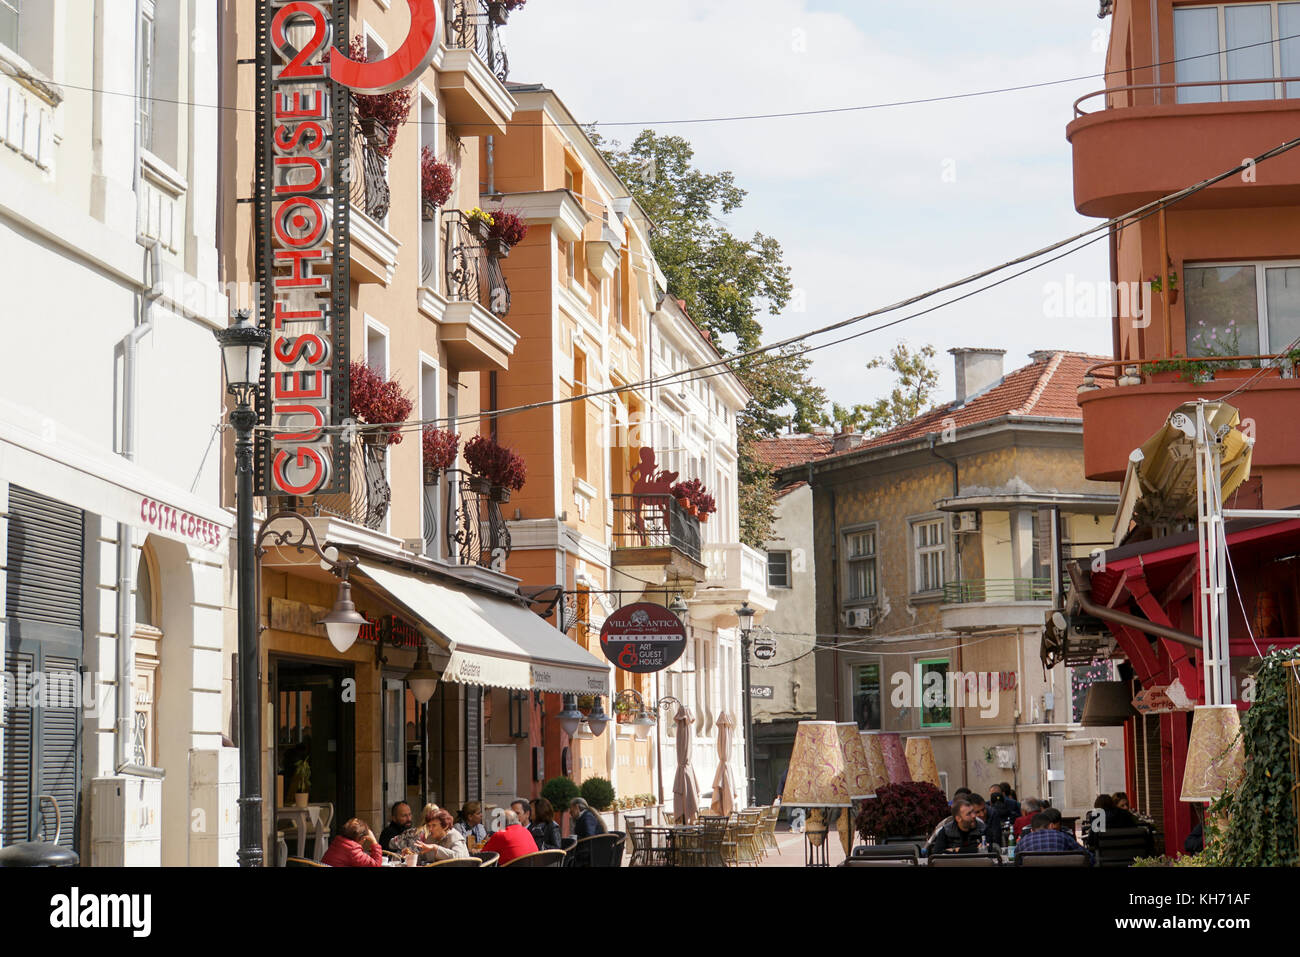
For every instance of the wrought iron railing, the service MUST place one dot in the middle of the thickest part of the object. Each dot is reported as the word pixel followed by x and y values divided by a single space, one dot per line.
pixel 476 531
pixel 655 521
pixel 471 270
pixel 997 589
pixel 367 503
pixel 472 25
pixel 368 170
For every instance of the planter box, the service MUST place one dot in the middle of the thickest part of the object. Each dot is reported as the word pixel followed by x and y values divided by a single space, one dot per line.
pixel 1270 373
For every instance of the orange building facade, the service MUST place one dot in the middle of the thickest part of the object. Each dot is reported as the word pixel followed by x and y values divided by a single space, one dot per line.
pixel 1216 275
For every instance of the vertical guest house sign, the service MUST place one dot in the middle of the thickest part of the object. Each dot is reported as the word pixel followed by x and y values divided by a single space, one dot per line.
pixel 304 146
pixel 303 246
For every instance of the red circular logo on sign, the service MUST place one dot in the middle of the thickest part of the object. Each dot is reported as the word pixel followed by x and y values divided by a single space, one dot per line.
pixel 643 638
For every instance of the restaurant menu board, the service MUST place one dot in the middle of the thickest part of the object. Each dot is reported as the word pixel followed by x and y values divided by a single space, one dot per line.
pixel 473 743
pixel 643 638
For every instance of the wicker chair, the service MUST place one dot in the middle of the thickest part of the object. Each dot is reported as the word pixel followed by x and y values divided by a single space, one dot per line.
pixel 770 817
pixel 489 858
pixel 599 850
pixel 1054 859
pixel 637 837
pixel 457 862
pixel 539 859
pixel 303 862
pixel 964 860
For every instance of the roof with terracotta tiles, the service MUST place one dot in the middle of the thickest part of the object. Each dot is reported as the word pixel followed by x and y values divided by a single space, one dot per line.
pixel 1046 388
pixel 786 450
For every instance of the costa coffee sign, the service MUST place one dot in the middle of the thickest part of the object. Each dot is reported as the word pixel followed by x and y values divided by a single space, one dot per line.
pixel 304 151
pixel 643 638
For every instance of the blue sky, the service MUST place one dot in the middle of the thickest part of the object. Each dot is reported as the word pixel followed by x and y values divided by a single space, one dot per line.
pixel 870 206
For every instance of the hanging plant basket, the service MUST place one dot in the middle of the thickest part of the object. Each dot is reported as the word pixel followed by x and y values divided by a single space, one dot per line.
pixel 478 225
pixel 375 132
pixel 498 12
pixel 479 484
pixel 498 248
pixel 500 494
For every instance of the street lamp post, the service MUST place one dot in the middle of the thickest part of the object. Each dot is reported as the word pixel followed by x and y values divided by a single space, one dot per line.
pixel 745 614
pixel 242 346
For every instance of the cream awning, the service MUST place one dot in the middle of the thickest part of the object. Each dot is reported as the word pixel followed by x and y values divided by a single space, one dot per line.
pixel 493 641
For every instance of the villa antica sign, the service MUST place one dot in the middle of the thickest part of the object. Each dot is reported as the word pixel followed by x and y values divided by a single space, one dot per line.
pixel 643 638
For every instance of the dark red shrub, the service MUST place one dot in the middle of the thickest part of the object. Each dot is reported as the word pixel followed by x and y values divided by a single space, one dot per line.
pixel 436 178
pixel 378 401
pixel 902 810
pixel 501 466
pixel 508 226
pixel 389 109
pixel 440 448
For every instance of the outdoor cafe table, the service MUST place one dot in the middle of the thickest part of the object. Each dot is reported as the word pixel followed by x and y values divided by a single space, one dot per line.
pixel 672 846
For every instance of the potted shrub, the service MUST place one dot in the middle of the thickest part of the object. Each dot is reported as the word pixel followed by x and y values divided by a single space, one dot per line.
pixel 479 222
pixel 499 470
pixel 599 793
pixel 441 446
pixel 436 181
pixel 902 810
pixel 382 115
pixel 378 401
pixel 508 230
pixel 705 506
pixel 560 791
pixel 301 782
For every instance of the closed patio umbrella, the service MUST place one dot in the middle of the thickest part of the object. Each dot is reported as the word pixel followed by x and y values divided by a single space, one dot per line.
pixel 724 797
pixel 686 793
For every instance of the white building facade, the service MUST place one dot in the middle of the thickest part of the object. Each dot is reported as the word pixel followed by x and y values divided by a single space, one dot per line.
pixel 110 402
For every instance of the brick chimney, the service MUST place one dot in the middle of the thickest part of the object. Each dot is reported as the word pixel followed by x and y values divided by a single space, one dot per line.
pixel 844 441
pixel 976 370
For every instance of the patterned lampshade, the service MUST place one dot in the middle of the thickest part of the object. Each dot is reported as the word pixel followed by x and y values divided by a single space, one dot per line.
pixel 920 760
pixel 895 759
pixel 875 758
pixel 816 777
pixel 857 769
pixel 1215 754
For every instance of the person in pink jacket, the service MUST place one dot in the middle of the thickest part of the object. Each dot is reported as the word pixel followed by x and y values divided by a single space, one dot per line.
pixel 356 846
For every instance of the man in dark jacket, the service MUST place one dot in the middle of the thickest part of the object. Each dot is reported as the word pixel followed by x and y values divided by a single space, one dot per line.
pixel 586 822
pixel 960 835
pixel 398 823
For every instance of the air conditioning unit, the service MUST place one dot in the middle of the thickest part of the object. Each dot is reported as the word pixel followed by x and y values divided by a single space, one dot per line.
pixel 861 618
pixel 966 522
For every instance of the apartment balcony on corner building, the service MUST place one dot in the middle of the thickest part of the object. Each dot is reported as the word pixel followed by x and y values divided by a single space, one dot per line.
pixel 475 67
pixel 654 531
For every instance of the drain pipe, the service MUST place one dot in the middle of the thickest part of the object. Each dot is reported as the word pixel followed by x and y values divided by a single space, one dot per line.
pixel 1131 621
pixel 125 724
pixel 491 166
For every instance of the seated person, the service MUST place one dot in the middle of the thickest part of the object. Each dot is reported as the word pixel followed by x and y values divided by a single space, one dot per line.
pixel 444 843
pixel 1045 834
pixel 545 830
pixel 961 835
pixel 1031 807
pixel 511 841
pixel 355 846
pixel 586 822
pixel 399 821
pixel 470 824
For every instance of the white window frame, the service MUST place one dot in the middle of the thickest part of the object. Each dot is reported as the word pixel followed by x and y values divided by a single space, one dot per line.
pixel 147 64
pixel 1227 85
pixel 873 529
pixel 786 554
pixel 920 553
pixel 1261 266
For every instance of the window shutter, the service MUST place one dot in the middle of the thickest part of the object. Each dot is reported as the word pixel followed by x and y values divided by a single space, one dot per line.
pixel 45 548
pixel 59 751
pixel 18 784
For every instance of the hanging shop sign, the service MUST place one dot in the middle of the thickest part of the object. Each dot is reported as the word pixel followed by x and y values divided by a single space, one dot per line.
pixel 643 638
pixel 304 149
pixel 765 650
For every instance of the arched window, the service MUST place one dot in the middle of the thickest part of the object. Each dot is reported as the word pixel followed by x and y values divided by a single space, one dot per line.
pixel 148 653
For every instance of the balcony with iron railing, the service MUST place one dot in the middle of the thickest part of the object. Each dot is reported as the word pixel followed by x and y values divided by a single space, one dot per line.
pixel 1138 142
pixel 653 530
pixel 982 603
pixel 477 296
pixel 373 249
pixel 475 68
pixel 462 520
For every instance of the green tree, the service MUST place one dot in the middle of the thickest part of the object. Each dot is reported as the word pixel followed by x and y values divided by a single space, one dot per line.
pixel 726 282
pixel 915 383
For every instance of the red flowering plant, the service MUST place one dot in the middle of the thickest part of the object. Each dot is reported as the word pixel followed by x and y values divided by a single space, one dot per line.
pixel 436 179
pixel 378 401
pixel 441 446
pixel 500 466
pixel 696 497
pixel 508 226
pixel 389 110
pixel 902 810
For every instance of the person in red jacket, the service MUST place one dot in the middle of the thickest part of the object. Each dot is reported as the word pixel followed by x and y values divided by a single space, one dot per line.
pixel 513 840
pixel 356 846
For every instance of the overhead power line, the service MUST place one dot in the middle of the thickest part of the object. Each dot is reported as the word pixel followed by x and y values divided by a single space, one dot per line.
pixel 699 120
pixel 725 364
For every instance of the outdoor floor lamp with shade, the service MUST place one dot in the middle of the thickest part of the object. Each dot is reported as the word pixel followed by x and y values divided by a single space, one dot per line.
pixel 817 779
pixel 242 348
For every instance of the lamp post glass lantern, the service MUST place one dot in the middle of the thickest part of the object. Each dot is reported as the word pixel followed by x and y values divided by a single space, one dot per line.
pixel 344 622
